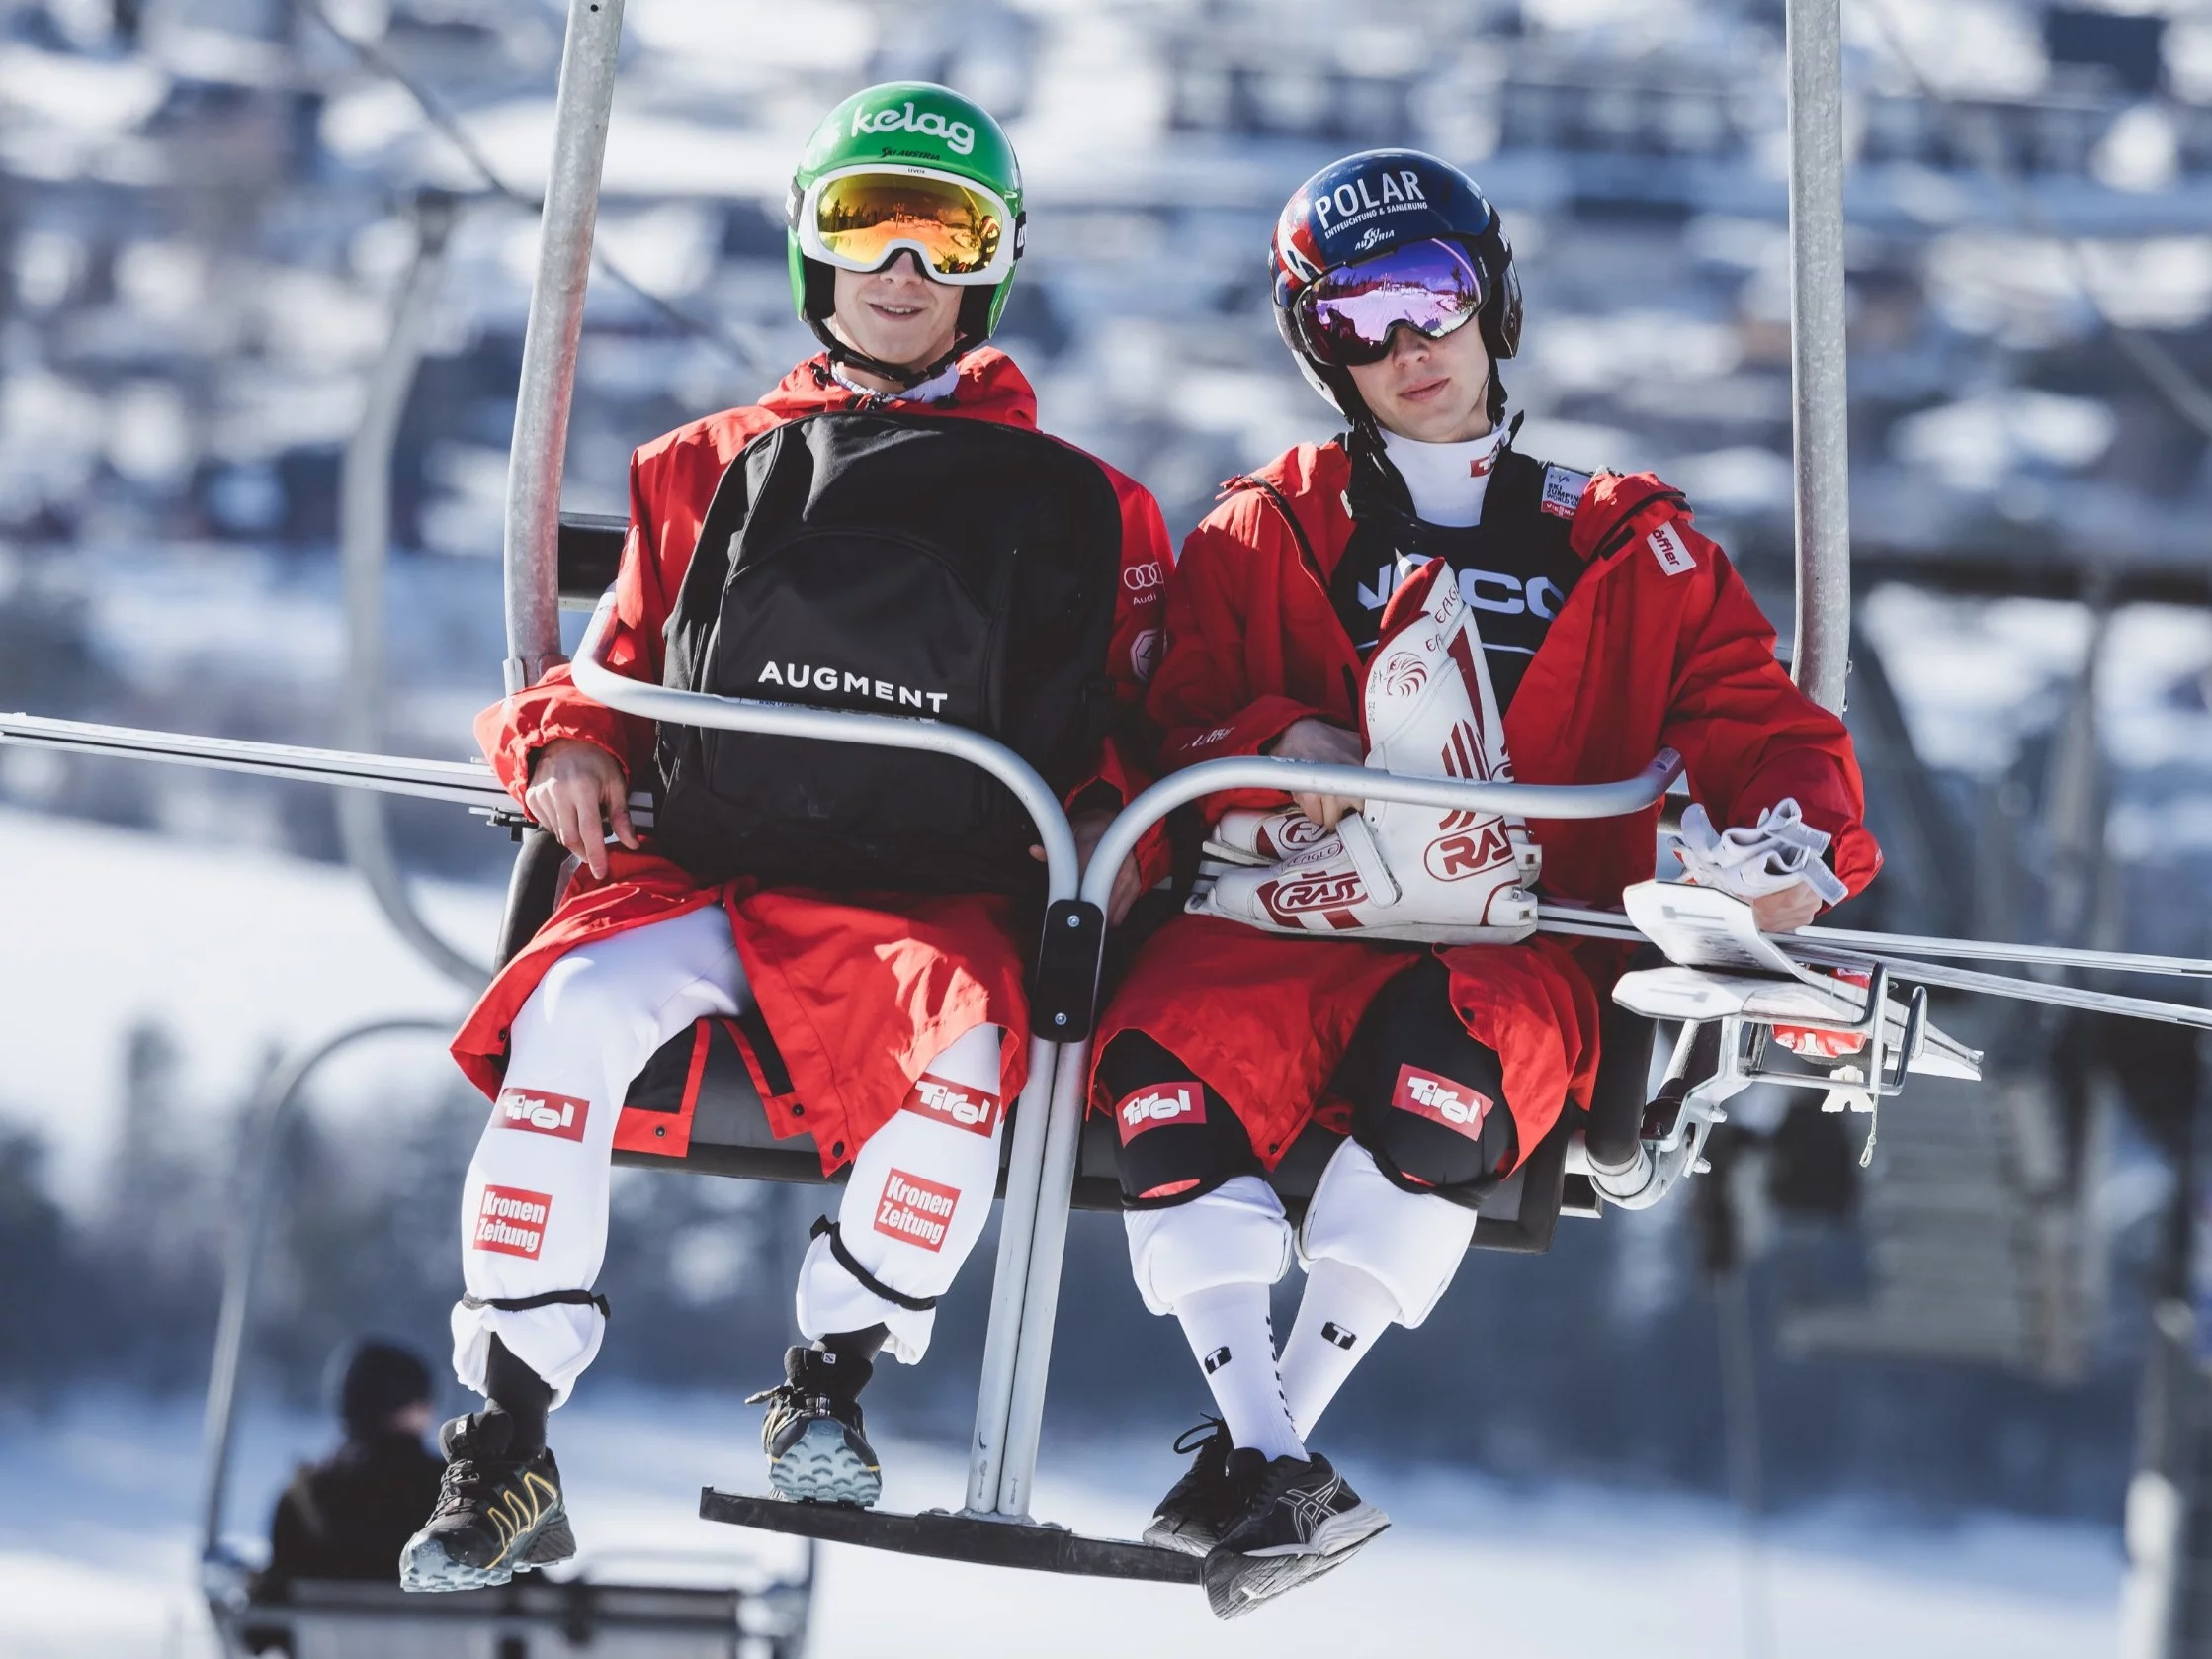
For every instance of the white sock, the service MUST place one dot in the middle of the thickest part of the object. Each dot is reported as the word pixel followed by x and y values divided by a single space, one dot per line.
pixel 1229 1332
pixel 1344 1309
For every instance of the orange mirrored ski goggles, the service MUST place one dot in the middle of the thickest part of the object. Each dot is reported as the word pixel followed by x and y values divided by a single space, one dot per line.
pixel 861 219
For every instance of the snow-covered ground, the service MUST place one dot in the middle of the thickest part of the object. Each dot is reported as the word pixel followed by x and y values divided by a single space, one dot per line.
pixel 97 1539
pixel 232 950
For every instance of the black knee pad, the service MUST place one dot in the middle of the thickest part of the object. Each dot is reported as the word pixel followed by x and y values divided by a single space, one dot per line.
pixel 1428 1101
pixel 1178 1137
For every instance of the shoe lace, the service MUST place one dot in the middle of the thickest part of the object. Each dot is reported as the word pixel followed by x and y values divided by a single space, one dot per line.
pixel 790 1398
pixel 1205 1429
pixel 463 1482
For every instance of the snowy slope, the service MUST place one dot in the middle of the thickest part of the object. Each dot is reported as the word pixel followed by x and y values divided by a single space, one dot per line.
pixel 233 950
pixel 96 1548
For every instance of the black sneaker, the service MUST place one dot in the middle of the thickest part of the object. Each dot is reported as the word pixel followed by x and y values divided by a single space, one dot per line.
pixel 496 1516
pixel 1299 1520
pixel 1200 1505
pixel 817 1452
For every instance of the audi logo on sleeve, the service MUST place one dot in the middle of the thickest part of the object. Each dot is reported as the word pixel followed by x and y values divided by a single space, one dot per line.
pixel 1145 578
pixel 1441 1100
pixel 1159 1104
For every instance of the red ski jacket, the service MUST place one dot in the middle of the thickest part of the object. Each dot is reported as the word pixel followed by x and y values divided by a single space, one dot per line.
pixel 1660 644
pixel 860 993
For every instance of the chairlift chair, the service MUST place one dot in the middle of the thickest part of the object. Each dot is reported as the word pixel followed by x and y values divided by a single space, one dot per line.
pixel 580 1612
pixel 1054 1161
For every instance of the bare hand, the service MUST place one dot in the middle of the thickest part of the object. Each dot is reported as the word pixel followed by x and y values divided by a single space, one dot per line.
pixel 1787 911
pixel 1089 826
pixel 578 791
pixel 1330 745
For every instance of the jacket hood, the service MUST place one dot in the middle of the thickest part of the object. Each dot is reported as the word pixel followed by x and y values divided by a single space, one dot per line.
pixel 989 388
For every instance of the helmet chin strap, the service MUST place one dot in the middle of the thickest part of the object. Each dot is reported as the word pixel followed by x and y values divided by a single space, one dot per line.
pixel 904 374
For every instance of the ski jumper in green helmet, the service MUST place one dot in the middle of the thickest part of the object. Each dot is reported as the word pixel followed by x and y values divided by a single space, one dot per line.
pixel 906 166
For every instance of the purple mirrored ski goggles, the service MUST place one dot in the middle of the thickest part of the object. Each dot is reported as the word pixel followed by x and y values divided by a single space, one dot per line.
pixel 1431 286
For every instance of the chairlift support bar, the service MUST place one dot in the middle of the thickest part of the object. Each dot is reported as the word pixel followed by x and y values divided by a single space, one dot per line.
pixel 467 783
pixel 582 107
pixel 1818 375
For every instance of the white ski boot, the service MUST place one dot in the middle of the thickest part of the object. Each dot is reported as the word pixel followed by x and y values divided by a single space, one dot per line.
pixel 1392 870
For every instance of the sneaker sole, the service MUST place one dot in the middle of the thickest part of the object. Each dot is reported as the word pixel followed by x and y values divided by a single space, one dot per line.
pixel 821 1467
pixel 1237 1584
pixel 426 1568
pixel 1190 1541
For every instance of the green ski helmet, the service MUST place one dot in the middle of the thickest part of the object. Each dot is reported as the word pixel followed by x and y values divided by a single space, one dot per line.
pixel 907 165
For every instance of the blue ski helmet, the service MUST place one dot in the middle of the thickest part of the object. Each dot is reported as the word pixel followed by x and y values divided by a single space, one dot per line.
pixel 1367 205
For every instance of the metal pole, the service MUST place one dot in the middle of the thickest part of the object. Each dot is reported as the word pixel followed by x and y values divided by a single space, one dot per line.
pixel 363 547
pixel 581 108
pixel 1819 381
pixel 272 1109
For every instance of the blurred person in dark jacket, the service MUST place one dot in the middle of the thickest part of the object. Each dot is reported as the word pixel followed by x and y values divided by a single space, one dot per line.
pixel 348 1516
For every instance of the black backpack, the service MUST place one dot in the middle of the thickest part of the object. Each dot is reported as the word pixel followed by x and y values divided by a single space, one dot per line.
pixel 933 566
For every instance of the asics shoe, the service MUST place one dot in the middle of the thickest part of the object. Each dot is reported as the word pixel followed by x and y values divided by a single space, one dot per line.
pixel 1200 1505
pixel 1299 1520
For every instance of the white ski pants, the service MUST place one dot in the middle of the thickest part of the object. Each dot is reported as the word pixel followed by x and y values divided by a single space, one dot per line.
pixel 534 1209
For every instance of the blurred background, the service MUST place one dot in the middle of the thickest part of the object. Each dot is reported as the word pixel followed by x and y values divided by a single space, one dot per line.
pixel 1800 1409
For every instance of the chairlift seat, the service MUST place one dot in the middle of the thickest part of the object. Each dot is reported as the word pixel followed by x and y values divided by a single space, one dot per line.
pixel 696 1105
pixel 537 1617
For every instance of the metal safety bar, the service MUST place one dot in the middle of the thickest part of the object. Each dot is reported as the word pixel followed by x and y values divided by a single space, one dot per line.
pixel 1048 1124
pixel 1026 1158
pixel 1048 1242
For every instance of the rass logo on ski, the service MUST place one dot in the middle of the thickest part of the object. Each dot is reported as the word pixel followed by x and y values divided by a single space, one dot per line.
pixel 940 1101
pixel 511 1221
pixel 958 135
pixel 1287 901
pixel 1149 1108
pixel 1455 857
pixel 820 676
pixel 914 1210
pixel 541 1113
pixel 1441 1100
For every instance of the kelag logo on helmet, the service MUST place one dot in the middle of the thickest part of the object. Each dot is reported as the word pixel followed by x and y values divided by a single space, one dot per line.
pixel 957 134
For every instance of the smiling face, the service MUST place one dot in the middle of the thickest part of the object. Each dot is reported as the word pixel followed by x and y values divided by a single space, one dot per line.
pixel 1435 391
pixel 894 314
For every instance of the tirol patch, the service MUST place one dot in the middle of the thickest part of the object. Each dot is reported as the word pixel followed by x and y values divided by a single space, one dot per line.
pixel 511 1221
pixel 1673 553
pixel 561 1115
pixel 1562 490
pixel 1441 1100
pixel 973 1109
pixel 915 1211
pixel 1161 1103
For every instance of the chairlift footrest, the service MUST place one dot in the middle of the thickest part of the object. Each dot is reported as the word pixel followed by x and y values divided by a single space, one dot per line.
pixel 956 1538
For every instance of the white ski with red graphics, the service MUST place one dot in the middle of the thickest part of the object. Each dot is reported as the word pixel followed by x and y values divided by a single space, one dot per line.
pixel 1724 967
pixel 1395 870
